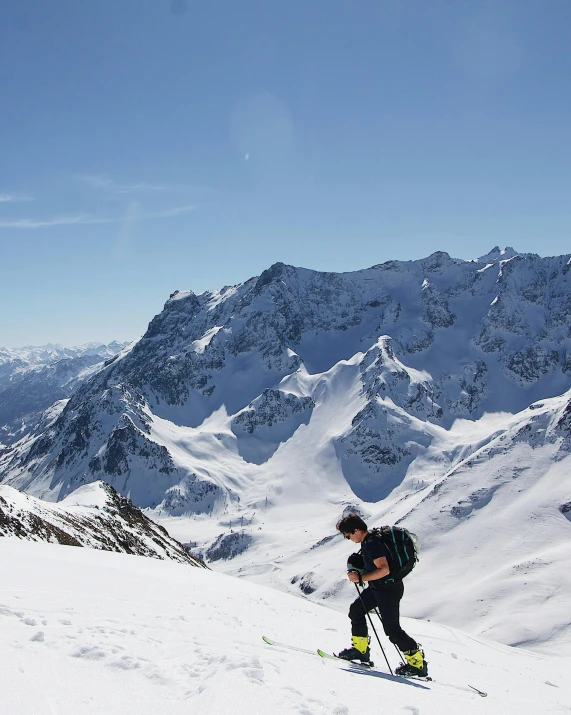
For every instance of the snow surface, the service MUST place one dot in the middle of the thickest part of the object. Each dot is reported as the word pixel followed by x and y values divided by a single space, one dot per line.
pixel 463 484
pixel 484 498
pixel 95 632
pixel 326 392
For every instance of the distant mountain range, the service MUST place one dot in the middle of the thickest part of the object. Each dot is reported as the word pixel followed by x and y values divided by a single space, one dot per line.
pixel 433 391
pixel 33 379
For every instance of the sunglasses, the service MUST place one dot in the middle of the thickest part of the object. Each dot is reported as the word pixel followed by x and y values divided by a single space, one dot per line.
pixel 347 536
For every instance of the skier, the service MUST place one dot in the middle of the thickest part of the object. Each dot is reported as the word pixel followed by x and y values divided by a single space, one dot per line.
pixel 383 593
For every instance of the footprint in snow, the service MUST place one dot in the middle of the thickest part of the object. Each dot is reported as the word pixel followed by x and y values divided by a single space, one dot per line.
pixel 153 674
pixel 7 611
pixel 126 662
pixel 89 652
pixel 293 690
pixel 252 668
pixel 38 637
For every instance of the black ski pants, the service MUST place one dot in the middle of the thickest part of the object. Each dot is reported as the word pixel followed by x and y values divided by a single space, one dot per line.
pixel 387 600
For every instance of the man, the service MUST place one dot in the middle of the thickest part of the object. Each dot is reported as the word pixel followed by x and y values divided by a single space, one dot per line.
pixel 384 593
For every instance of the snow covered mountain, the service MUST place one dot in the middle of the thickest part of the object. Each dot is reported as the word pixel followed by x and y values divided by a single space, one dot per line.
pixel 33 379
pixel 90 631
pixel 41 355
pixel 431 391
pixel 95 516
pixel 490 501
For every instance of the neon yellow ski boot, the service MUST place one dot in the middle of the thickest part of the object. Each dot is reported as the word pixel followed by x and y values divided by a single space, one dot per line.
pixel 360 650
pixel 415 664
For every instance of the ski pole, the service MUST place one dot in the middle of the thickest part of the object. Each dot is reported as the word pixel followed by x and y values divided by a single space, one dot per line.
pixel 374 629
pixel 400 653
pixel 398 650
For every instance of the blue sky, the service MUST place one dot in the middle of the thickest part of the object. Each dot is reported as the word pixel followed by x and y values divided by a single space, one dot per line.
pixel 154 145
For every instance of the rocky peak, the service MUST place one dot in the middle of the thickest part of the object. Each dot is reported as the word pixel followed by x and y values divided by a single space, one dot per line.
pixel 436 261
pixel 94 516
pixel 430 341
pixel 185 304
pixel 497 254
pixel 271 274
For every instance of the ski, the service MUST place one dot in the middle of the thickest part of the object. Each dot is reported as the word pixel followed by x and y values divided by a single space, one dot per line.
pixel 269 641
pixel 364 668
pixel 332 656
pixel 408 679
pixel 352 667
pixel 357 667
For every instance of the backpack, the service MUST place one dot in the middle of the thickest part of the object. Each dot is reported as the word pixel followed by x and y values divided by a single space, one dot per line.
pixel 403 547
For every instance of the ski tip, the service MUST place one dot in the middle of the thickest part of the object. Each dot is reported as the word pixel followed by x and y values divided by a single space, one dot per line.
pixel 323 654
pixel 267 640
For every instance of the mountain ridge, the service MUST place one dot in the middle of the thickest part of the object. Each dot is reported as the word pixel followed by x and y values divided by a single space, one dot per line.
pixel 95 516
pixel 229 347
pixel 34 378
pixel 309 393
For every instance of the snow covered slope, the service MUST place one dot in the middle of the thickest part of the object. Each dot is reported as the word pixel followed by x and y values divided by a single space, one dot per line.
pixel 495 532
pixel 248 419
pixel 88 631
pixel 412 346
pixel 95 516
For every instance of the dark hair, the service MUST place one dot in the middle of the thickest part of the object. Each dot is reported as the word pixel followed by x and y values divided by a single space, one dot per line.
pixel 349 523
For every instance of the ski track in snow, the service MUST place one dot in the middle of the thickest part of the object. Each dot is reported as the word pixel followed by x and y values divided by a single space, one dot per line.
pixel 86 631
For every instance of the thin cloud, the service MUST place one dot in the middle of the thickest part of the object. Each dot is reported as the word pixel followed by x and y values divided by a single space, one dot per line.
pixel 57 221
pixel 143 187
pixel 15 198
pixel 86 219
pixel 96 182
pixel 167 213
pixel 104 183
